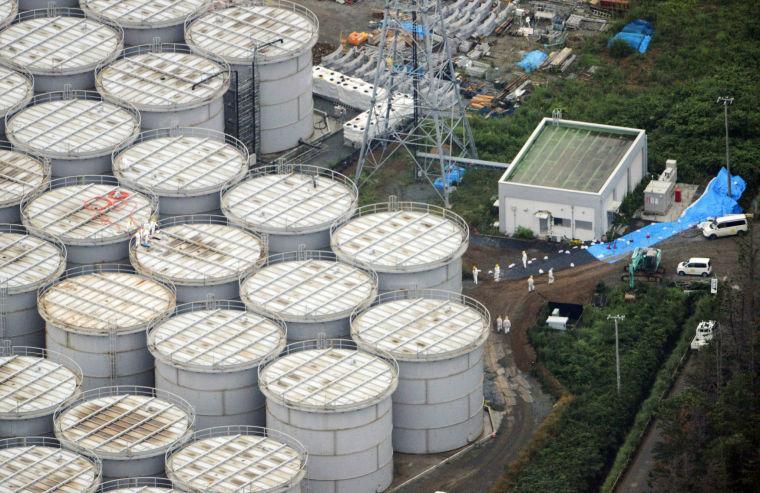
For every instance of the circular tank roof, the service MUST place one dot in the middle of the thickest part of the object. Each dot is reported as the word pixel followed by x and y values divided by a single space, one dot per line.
pixel 168 80
pixel 79 127
pixel 235 462
pixel 26 262
pixel 182 165
pixel 20 174
pixel 121 424
pixel 94 304
pixel 32 385
pixel 40 465
pixel 232 33
pixel 62 44
pixel 143 14
pixel 199 253
pixel 8 10
pixel 16 89
pixel 330 379
pixel 312 289
pixel 280 201
pixel 422 328
pixel 406 236
pixel 218 339
pixel 138 485
pixel 86 214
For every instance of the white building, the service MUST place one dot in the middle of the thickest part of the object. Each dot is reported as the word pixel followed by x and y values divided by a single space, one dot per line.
pixel 570 178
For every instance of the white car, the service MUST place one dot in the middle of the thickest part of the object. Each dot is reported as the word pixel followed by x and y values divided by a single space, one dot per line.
pixel 725 226
pixel 696 266
pixel 703 334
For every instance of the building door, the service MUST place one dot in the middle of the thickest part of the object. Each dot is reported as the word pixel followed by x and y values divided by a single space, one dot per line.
pixel 543 226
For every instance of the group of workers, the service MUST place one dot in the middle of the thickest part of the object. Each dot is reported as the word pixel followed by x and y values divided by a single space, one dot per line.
pixel 145 233
pixel 503 324
pixel 497 273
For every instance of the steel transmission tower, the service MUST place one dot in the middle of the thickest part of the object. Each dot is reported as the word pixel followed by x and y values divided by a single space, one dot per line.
pixel 415 106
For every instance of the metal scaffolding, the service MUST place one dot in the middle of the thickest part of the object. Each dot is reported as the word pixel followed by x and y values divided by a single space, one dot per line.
pixel 420 110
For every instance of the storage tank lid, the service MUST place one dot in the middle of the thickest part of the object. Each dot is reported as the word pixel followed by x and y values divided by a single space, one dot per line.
pixel 424 325
pixel 143 14
pixel 181 162
pixel 26 262
pixel 72 125
pixel 232 33
pixel 290 199
pixel 338 378
pixel 163 78
pixel 138 485
pixel 41 465
pixel 62 44
pixel 93 213
pixel 215 336
pixel 8 10
pixel 32 384
pixel 99 302
pixel 125 421
pixel 402 236
pixel 20 174
pixel 197 250
pixel 16 89
pixel 237 458
pixel 308 287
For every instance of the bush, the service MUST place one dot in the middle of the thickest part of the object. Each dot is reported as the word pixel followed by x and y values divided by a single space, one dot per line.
pixel 620 49
pixel 524 233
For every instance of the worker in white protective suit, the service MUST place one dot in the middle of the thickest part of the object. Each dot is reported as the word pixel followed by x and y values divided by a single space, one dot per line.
pixel 507 324
pixel 525 259
pixel 496 273
pixel 499 324
pixel 142 238
pixel 531 284
pixel 152 226
pixel 475 272
pixel 551 275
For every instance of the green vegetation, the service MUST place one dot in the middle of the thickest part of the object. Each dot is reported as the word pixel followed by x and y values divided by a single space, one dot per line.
pixel 587 434
pixel 524 233
pixel 662 384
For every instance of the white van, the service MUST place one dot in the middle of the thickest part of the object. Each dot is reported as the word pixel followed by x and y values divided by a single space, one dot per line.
pixel 695 266
pixel 725 226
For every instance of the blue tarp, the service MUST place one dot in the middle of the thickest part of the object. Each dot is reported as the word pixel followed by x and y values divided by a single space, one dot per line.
pixel 453 177
pixel 409 26
pixel 532 60
pixel 638 35
pixel 713 203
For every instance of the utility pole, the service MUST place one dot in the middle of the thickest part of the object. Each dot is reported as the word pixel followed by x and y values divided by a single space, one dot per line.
pixel 726 101
pixel 617 318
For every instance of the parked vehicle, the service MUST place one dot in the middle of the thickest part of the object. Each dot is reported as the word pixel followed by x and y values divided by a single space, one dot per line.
pixel 696 266
pixel 703 334
pixel 725 226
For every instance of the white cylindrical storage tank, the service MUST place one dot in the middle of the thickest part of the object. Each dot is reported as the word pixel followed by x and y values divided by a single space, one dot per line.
pixel 438 339
pixel 93 216
pixel 16 90
pixel 97 315
pixel 247 459
pixel 76 130
pixel 185 167
pixel 202 255
pixel 208 353
pixel 311 291
pixel 20 175
pixel 33 383
pixel 26 5
pixel 60 46
pixel 294 204
pixel 285 33
pixel 409 244
pixel 143 20
pixel 28 263
pixel 336 400
pixel 129 428
pixel 8 11
pixel 138 485
pixel 170 85
pixel 40 464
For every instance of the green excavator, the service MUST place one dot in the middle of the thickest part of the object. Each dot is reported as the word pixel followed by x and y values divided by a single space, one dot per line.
pixel 645 265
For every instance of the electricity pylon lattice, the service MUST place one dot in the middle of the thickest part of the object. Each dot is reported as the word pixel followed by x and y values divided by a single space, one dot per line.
pixel 415 107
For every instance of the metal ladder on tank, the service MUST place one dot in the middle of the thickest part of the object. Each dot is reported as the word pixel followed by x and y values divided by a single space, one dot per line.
pixel 3 316
pixel 112 351
pixel 256 102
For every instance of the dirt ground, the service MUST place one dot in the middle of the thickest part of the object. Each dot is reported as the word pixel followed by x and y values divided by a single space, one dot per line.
pixel 336 19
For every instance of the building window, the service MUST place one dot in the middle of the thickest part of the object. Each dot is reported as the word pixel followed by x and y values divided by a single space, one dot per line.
pixel 583 225
pixel 559 221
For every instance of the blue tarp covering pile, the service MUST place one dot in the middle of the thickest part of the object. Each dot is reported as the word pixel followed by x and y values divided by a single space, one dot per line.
pixel 453 177
pixel 409 26
pixel 713 203
pixel 638 34
pixel 532 60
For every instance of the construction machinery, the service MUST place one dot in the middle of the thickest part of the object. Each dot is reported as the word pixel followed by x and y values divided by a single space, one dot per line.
pixel 645 265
